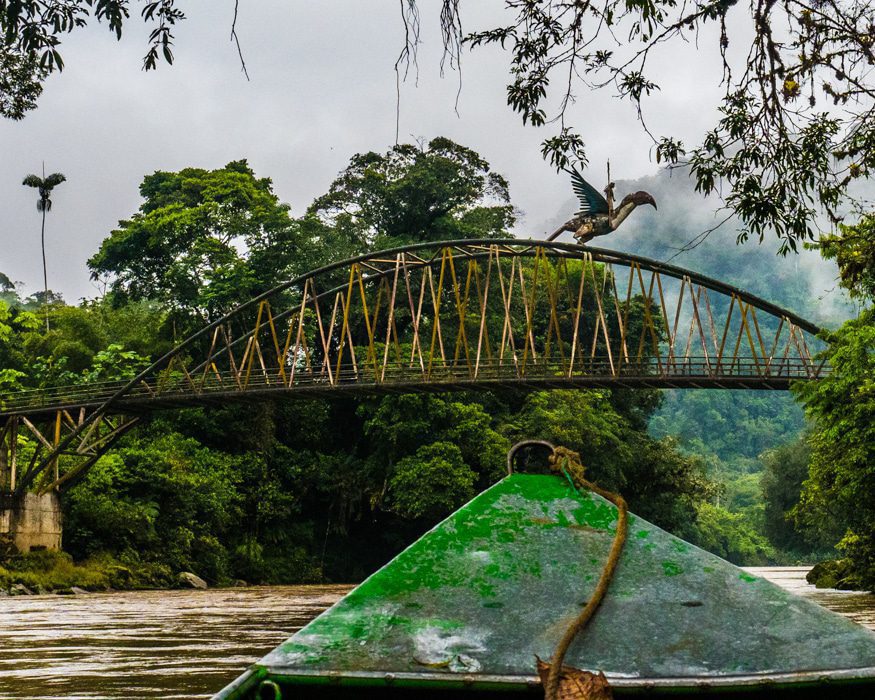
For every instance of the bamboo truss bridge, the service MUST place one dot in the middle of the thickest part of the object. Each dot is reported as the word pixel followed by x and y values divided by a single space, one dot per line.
pixel 447 316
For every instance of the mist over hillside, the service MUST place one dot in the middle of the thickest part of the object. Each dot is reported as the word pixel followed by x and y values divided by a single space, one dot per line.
pixel 803 282
pixel 730 429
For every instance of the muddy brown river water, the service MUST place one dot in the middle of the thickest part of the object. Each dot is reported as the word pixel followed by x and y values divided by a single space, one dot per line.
pixel 189 644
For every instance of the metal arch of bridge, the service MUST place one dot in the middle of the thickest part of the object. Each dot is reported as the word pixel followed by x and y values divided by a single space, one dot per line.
pixel 481 314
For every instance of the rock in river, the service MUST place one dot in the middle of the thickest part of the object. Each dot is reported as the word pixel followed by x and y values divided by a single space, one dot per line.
pixel 190 580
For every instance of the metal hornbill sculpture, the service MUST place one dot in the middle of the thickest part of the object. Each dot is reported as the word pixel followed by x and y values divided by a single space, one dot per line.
pixel 597 215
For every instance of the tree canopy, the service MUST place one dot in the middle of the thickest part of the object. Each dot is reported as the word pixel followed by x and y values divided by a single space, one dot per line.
pixel 853 249
pixel 6 284
pixel 840 490
pixel 44 185
pixel 438 191
pixel 20 82
pixel 795 124
pixel 201 241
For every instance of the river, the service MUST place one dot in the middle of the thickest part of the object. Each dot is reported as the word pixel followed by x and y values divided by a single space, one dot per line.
pixel 187 644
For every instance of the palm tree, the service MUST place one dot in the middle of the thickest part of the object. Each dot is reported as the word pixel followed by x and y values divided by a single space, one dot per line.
pixel 44 204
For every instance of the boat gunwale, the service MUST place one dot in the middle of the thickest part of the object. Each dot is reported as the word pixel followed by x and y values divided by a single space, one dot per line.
pixel 725 682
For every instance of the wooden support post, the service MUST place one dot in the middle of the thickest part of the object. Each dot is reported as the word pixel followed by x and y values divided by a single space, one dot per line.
pixel 13 452
pixel 57 442
pixel 4 455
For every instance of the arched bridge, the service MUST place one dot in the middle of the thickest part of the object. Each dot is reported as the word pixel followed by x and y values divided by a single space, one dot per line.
pixel 481 314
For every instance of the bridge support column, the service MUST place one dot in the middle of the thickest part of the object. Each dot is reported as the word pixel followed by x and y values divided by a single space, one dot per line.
pixel 31 521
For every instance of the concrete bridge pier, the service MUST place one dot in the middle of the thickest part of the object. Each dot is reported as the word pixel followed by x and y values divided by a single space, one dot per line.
pixel 31 521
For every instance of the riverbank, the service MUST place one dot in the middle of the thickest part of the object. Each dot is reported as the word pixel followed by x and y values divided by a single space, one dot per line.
pixel 858 606
pixel 840 574
pixel 45 572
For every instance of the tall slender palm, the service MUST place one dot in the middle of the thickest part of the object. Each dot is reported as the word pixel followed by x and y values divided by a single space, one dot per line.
pixel 45 184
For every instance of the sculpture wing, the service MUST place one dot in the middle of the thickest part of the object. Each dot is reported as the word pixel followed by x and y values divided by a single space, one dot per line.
pixel 591 200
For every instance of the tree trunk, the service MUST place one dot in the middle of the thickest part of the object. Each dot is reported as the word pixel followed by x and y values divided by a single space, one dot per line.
pixel 45 272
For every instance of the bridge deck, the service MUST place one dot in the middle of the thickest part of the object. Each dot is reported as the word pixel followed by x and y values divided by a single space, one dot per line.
pixel 215 389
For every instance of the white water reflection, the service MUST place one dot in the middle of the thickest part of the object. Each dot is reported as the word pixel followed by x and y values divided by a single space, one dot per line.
pixel 188 644
pixel 859 606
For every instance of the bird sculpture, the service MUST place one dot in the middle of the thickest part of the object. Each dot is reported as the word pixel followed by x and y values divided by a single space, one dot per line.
pixel 597 215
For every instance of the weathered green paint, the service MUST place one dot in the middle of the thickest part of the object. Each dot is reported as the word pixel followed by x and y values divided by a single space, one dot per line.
pixel 499 581
pixel 670 568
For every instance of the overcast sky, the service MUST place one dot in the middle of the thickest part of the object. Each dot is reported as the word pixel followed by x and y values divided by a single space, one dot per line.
pixel 322 88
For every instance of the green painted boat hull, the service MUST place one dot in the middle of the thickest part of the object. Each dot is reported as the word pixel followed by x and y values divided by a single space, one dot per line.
pixel 466 608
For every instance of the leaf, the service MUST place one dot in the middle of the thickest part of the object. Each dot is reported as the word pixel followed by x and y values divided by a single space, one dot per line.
pixel 575 684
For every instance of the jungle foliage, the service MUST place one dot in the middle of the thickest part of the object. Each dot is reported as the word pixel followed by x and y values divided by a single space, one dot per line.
pixel 20 82
pixel 323 490
pixel 442 191
pixel 838 497
pixel 201 241
pixel 307 490
pixel 840 489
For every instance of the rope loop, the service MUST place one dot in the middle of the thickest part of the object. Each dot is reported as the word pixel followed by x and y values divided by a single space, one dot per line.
pixel 512 452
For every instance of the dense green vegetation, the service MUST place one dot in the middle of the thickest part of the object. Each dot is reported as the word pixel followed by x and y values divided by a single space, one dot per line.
pixel 839 494
pixel 320 490
pixel 45 571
